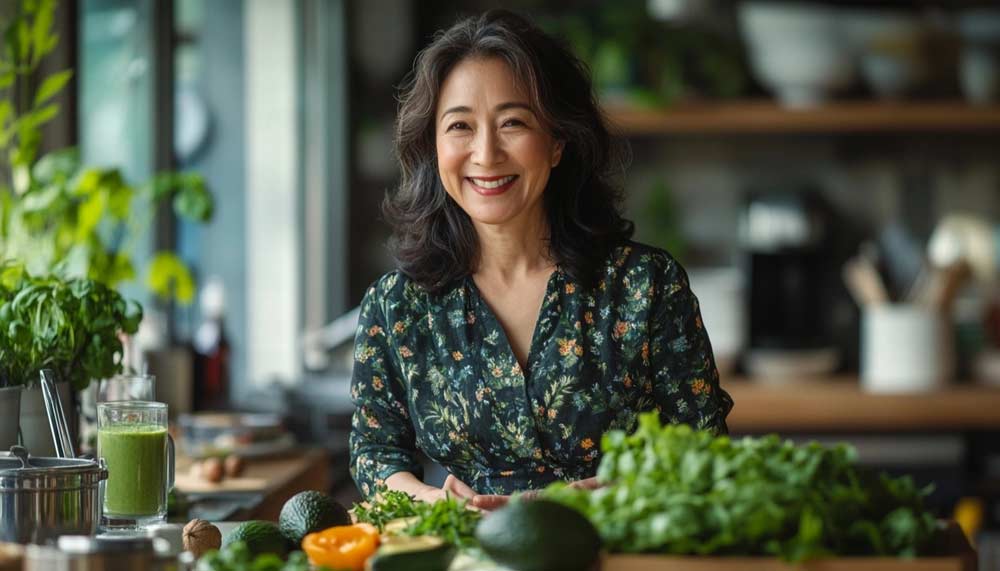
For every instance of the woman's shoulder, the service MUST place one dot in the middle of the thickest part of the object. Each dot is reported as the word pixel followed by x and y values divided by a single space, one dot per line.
pixel 632 259
pixel 395 291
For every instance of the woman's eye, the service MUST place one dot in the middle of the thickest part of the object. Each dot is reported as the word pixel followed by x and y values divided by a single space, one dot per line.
pixel 513 123
pixel 457 125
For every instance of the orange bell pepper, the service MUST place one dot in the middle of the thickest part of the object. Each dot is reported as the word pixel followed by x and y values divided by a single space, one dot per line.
pixel 342 547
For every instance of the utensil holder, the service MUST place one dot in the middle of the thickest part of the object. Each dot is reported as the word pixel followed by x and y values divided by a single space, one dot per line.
pixel 905 348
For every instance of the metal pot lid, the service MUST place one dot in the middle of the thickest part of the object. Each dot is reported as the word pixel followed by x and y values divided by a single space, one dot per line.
pixel 21 470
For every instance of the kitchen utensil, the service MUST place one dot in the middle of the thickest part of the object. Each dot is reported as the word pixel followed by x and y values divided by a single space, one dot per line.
pixel 943 285
pixel 864 282
pixel 57 418
pixel 43 498
pixel 903 256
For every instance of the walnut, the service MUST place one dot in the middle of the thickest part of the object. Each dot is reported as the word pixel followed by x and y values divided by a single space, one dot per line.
pixel 233 465
pixel 201 536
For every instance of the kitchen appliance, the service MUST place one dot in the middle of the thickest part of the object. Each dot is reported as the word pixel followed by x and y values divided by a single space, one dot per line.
pixel 44 498
pixel 793 269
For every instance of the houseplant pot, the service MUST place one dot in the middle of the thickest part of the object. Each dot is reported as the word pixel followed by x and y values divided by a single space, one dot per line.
pixel 10 412
pixel 35 431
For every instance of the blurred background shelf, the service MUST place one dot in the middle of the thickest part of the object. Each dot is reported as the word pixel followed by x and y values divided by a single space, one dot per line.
pixel 839 404
pixel 766 117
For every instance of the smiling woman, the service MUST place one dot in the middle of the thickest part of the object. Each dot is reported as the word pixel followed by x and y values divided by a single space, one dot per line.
pixel 522 322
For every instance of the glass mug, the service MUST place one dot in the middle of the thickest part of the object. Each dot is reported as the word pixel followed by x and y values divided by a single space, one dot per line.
pixel 132 440
pixel 127 388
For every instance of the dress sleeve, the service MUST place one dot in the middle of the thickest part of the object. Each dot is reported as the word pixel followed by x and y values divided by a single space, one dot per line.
pixel 382 438
pixel 686 381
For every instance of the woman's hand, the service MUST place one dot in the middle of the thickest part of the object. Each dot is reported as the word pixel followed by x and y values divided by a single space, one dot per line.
pixel 490 502
pixel 453 487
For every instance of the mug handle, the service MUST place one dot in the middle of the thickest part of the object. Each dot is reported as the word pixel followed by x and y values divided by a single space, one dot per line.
pixel 170 462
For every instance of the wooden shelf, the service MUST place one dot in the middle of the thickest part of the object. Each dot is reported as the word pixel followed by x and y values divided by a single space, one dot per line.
pixel 765 117
pixel 840 405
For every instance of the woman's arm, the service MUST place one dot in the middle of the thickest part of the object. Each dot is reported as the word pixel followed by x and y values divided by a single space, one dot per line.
pixel 685 379
pixel 383 441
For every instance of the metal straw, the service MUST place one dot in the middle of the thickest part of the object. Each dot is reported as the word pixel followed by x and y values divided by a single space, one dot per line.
pixel 57 418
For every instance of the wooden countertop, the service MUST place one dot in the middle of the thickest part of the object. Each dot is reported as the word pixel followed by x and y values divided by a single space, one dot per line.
pixel 275 478
pixel 840 405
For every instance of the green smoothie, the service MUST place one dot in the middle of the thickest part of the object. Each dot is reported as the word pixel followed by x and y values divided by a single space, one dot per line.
pixel 137 468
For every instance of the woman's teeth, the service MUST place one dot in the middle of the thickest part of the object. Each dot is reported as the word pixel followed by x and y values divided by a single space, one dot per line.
pixel 493 183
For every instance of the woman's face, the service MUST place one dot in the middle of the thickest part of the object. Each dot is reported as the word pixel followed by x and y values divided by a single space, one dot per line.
pixel 494 155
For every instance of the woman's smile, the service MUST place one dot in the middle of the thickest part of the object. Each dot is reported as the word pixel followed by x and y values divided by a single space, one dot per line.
pixel 492 185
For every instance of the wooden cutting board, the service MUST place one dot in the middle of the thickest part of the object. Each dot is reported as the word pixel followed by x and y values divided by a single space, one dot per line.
pixel 11 555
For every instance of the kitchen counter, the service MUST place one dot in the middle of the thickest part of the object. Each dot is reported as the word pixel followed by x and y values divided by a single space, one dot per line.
pixel 264 485
pixel 840 405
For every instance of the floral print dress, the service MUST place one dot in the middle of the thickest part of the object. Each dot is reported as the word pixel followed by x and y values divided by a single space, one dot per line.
pixel 436 373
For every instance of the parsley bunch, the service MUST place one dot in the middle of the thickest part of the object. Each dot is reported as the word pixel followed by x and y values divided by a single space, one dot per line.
pixel 448 519
pixel 675 490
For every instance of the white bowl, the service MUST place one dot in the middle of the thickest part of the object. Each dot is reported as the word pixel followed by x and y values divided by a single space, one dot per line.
pixel 797 50
pixel 890 45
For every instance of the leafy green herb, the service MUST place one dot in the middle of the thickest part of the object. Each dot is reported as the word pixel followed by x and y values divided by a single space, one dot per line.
pixel 387 506
pixel 448 519
pixel 69 325
pixel 672 489
pixel 237 557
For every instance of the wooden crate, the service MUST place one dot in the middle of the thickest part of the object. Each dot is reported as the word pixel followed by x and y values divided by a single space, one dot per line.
pixel 659 563
pixel 962 558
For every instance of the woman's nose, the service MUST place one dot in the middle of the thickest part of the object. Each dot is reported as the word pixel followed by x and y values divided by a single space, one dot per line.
pixel 487 148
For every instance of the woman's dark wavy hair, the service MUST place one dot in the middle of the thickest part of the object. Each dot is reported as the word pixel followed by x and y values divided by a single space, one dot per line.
pixel 434 241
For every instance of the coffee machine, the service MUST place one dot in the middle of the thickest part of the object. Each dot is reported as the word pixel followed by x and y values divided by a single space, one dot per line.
pixel 792 261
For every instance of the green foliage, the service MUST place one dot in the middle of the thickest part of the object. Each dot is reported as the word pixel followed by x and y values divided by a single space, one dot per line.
pixel 649 62
pixel 59 215
pixel 237 557
pixel 71 326
pixel 448 519
pixel 675 490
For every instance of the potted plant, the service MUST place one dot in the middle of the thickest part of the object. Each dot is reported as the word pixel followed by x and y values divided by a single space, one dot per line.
pixel 72 326
pixel 59 215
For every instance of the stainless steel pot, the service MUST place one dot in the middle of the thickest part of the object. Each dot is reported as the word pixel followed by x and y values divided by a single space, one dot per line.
pixel 43 498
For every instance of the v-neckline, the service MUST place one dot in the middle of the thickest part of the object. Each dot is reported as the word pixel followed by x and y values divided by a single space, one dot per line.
pixel 532 355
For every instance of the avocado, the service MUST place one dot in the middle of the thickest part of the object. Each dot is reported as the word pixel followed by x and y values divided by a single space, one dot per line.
pixel 308 512
pixel 408 553
pixel 260 537
pixel 539 535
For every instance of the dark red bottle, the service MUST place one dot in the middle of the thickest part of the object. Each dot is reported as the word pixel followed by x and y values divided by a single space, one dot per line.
pixel 211 351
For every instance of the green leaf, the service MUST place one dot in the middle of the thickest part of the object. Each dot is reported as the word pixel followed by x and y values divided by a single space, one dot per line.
pixel 90 213
pixel 193 200
pixel 58 165
pixel 120 202
pixel 7 79
pixel 169 278
pixel 52 85
pixel 37 118
pixel 41 38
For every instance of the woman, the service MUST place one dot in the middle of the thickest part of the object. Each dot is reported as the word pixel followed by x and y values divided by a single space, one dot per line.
pixel 522 323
